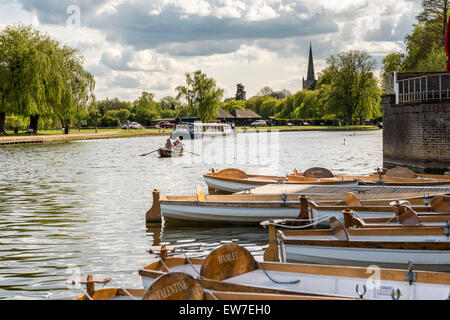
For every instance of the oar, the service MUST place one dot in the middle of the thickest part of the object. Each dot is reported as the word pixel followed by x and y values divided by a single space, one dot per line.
pixel 146 154
pixel 191 153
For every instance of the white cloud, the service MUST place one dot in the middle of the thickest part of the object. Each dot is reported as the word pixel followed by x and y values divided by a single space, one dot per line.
pixel 137 45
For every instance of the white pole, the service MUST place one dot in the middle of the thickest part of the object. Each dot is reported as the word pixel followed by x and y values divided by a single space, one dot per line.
pixel 396 90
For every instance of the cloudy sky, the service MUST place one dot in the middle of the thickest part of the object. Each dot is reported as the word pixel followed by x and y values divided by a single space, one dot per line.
pixel 136 45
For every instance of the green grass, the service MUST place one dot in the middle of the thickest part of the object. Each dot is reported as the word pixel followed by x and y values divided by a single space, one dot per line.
pixel 92 131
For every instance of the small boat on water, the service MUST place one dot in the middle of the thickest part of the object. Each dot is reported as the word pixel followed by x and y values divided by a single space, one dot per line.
pixel 251 209
pixel 170 153
pixel 198 130
pixel 232 268
pixel 389 246
pixel 171 150
pixel 235 180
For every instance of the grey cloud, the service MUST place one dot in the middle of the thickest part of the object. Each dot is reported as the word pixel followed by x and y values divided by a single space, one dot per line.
pixel 132 24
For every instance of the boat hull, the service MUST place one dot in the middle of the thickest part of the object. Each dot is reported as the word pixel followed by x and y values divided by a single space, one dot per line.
pixel 236 185
pixel 250 213
pixel 365 257
pixel 166 153
pixel 226 214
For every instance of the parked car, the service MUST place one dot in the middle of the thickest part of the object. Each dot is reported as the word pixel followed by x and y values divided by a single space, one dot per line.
pixel 164 125
pixel 136 125
pixel 259 123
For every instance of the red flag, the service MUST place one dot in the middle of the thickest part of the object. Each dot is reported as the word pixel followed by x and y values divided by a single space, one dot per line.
pixel 447 43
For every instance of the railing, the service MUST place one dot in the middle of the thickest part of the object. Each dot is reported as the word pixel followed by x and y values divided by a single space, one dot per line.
pixel 434 87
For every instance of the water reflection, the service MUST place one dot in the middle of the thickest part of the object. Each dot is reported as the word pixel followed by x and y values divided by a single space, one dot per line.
pixel 81 205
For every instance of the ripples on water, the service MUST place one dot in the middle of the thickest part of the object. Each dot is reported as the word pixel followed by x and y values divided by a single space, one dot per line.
pixel 82 204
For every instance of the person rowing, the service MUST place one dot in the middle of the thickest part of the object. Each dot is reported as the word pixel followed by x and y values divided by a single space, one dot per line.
pixel 178 144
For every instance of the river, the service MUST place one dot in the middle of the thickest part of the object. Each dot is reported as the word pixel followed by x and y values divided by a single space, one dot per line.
pixel 79 207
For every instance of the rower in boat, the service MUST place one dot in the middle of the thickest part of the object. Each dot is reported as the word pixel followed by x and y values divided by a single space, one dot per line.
pixel 390 246
pixel 232 268
pixel 172 149
pixel 235 180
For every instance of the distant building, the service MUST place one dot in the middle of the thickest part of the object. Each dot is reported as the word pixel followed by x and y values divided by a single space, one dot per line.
pixel 224 116
pixel 245 117
pixel 310 83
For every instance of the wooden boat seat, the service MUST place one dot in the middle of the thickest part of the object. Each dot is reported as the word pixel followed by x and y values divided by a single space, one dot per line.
pixel 231 173
pixel 338 229
pixel 399 172
pixel 318 173
pixel 406 216
pixel 227 261
pixel 352 200
pixel 174 286
pixel 441 204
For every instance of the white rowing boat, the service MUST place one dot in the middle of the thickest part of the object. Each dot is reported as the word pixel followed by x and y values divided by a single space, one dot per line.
pixel 235 180
pixel 315 210
pixel 427 247
pixel 247 209
pixel 182 286
pixel 231 266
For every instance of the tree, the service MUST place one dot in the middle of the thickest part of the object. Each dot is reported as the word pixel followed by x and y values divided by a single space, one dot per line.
pixel 266 91
pixel 435 14
pixel 145 108
pixel 169 103
pixel 352 87
pixel 40 77
pixel 201 95
pixel 233 105
pixel 241 94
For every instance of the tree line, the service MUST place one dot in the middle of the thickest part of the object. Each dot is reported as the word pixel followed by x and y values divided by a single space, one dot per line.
pixel 43 84
pixel 425 45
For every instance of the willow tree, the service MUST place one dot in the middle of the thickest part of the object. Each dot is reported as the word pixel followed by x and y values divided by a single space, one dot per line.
pixel 201 95
pixel 72 86
pixel 39 77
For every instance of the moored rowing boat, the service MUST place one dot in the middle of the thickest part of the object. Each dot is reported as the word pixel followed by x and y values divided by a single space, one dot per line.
pixel 182 286
pixel 251 208
pixel 390 246
pixel 235 180
pixel 232 268
pixel 372 208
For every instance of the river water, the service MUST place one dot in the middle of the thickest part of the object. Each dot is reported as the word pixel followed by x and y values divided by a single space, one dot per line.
pixel 79 207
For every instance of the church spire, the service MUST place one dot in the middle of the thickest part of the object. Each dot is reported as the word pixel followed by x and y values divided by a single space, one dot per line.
pixel 311 74
pixel 310 82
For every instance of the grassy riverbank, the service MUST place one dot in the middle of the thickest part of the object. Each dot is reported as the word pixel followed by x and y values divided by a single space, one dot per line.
pixel 89 134
pixel 84 134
